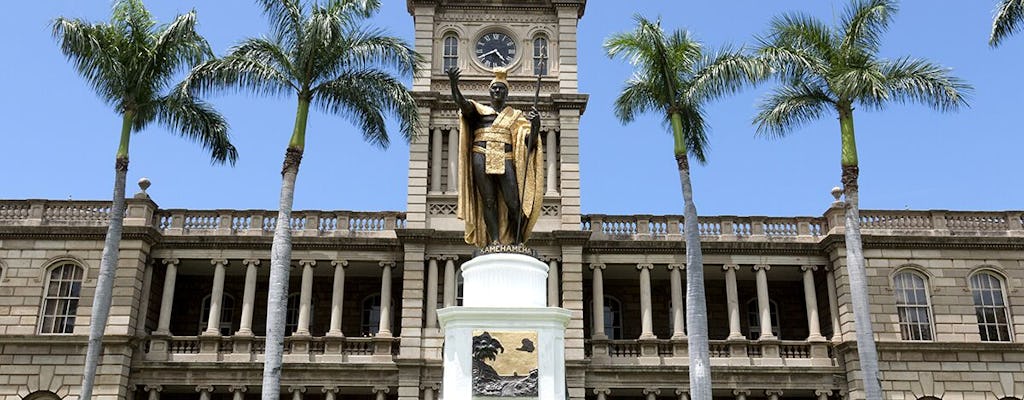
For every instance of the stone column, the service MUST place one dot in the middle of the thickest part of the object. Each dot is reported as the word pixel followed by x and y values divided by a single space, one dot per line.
pixel 337 299
pixel 431 300
pixel 773 394
pixel 646 319
pixel 822 394
pixel 453 160
pixel 833 305
pixel 551 164
pixel 651 393
pixel 384 328
pixel 733 301
pixel 683 394
pixel 602 393
pixel 429 391
pixel 553 291
pixel 216 298
pixel 380 392
pixel 297 392
pixel 248 298
pixel 147 283
pixel 330 392
pixel 449 281
pixel 153 391
pixel 305 297
pixel 811 300
pixel 204 391
pixel 678 314
pixel 741 394
pixel 763 304
pixel 435 160
pixel 597 331
pixel 238 392
pixel 167 301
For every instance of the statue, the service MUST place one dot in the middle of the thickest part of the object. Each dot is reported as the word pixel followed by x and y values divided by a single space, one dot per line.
pixel 501 166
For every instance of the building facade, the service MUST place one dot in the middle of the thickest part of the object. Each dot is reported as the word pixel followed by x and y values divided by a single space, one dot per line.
pixel 189 306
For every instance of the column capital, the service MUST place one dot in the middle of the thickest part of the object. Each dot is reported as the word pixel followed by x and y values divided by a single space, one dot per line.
pixel 251 261
pixel 604 391
pixel 388 263
pixel 654 391
pixel 204 388
pixel 433 257
pixel 683 393
pixel 552 258
pixel 309 263
pixel 647 266
pixel 741 392
pixel 806 268
pixel 381 389
pixel 823 392
pixel 765 267
pixel 158 388
pixel 829 268
pixel 430 386
pixel 332 389
pixel 733 267
pixel 339 263
pixel 171 261
pixel 293 389
pixel 771 392
pixel 597 266
pixel 681 266
pixel 450 257
pixel 238 388
pixel 219 261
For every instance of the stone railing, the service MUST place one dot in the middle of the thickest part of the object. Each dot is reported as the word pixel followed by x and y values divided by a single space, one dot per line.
pixel 50 212
pixel 251 348
pixel 723 352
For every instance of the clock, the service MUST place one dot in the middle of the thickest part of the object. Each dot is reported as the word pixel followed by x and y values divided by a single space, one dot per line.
pixel 495 49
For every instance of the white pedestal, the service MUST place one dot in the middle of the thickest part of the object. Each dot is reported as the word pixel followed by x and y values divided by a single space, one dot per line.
pixel 503 293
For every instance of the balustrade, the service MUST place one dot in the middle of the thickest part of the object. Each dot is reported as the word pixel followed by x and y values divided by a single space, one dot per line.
pixel 190 348
pixel 797 353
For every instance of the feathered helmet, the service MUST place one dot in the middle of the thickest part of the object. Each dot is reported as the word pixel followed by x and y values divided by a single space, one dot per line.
pixel 501 76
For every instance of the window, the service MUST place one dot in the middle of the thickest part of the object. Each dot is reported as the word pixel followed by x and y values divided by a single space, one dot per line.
pixel 612 317
pixel 227 314
pixel 60 303
pixel 291 318
pixel 451 52
pixel 540 54
pixel 371 315
pixel 754 319
pixel 990 307
pixel 913 306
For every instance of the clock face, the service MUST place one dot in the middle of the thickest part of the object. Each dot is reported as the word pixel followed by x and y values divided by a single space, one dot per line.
pixel 495 49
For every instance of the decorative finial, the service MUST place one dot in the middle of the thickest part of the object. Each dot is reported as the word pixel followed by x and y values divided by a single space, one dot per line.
pixel 837 193
pixel 144 184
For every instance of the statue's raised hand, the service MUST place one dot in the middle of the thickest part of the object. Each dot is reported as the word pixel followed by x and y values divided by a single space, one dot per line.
pixel 454 74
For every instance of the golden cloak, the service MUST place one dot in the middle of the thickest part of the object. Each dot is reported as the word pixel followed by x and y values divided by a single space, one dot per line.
pixel 530 179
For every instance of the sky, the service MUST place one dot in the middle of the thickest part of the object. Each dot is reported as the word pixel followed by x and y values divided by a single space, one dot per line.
pixel 58 138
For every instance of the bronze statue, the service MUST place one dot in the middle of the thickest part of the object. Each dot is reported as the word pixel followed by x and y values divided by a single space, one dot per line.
pixel 501 171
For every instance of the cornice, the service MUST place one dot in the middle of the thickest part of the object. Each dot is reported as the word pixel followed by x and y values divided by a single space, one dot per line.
pixel 832 242
pixel 149 235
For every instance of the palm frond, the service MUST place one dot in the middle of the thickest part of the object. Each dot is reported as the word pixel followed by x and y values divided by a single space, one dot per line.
pixel 865 82
pixel 199 122
pixel 373 47
pixel 639 96
pixel 363 96
pixel 790 63
pixel 790 106
pixel 91 48
pixel 723 72
pixel 1009 16
pixel 803 33
pixel 178 46
pixel 254 65
pixel 920 81
pixel 863 23
pixel 285 19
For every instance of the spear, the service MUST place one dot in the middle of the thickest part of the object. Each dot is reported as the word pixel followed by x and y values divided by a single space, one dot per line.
pixel 530 144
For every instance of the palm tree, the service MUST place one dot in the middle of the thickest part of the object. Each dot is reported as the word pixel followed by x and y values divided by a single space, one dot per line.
pixel 130 62
pixel 324 56
pixel 823 68
pixel 1009 16
pixel 674 77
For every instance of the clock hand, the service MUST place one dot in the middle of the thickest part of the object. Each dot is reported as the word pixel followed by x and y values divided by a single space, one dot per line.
pixel 489 53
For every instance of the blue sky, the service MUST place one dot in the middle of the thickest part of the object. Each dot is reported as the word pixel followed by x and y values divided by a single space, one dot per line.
pixel 59 138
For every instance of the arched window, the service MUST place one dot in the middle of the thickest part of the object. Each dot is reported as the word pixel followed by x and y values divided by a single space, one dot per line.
pixel 451 52
pixel 990 307
pixel 42 395
pixel 540 53
pixel 754 319
pixel 60 302
pixel 913 306
pixel 227 314
pixel 612 317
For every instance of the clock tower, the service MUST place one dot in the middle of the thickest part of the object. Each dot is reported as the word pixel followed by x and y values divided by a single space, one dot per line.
pixel 529 38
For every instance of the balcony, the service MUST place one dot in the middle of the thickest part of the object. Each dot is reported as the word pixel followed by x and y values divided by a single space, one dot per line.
pixel 297 349
pixel 732 353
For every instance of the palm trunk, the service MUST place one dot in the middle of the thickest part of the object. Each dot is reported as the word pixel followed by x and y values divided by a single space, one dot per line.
pixel 696 308
pixel 866 352
pixel 280 259
pixel 108 263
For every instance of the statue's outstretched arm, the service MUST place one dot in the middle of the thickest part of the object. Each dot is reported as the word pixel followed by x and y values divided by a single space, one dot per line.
pixel 453 76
